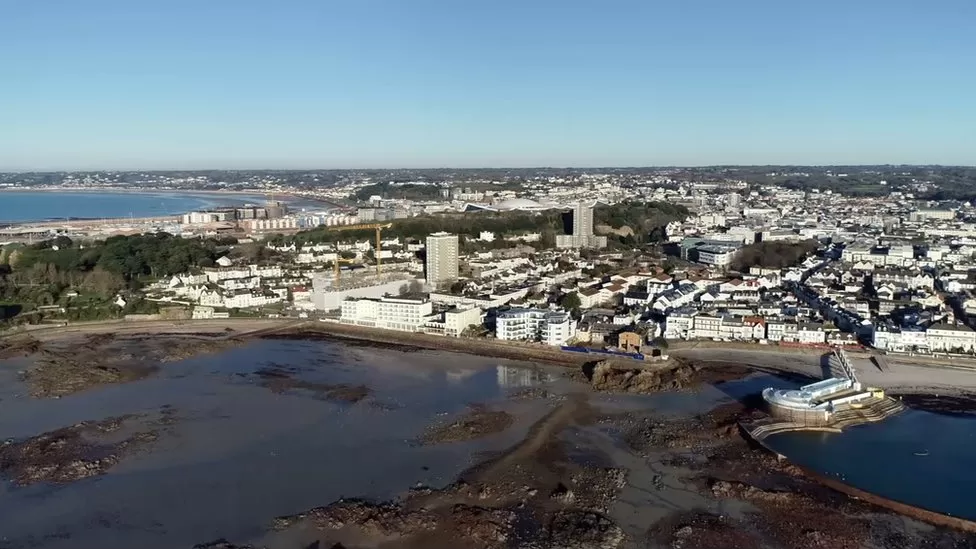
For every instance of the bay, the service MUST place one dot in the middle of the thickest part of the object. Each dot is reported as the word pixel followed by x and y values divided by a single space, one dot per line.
pixel 23 206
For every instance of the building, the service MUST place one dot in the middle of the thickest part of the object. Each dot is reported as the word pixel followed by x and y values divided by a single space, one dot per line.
pixel 922 215
pixel 391 313
pixel 558 328
pixel 519 324
pixel 680 325
pixel 442 258
pixel 458 320
pixel 199 218
pixel 271 224
pixel 551 328
pixel 954 338
pixel 366 215
pixel 205 313
pixel 328 295
pixel 582 236
pixel 717 256
pixel 630 342
pixel 717 253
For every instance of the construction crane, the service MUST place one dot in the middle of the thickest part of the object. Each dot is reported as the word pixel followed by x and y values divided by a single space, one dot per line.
pixel 359 227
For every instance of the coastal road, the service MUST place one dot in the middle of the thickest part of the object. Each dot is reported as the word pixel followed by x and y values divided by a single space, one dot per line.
pixel 903 374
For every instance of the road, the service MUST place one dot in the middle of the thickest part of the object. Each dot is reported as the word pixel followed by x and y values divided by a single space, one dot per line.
pixel 904 375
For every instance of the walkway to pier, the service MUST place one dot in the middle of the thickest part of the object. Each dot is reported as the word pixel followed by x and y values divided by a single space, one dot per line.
pixel 845 363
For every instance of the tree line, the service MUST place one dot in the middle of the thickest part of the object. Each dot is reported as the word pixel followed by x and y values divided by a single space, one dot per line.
pixel 40 274
pixel 774 254
pixel 647 219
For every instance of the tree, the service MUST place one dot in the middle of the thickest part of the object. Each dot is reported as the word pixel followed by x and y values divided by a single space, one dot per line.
pixel 570 301
pixel 774 254
pixel 661 343
pixel 458 287
pixel 413 288
pixel 62 242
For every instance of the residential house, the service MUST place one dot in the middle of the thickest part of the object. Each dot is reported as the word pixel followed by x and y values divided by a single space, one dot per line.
pixel 707 327
pixel 635 297
pixel 811 333
pixel 951 338
pixel 679 325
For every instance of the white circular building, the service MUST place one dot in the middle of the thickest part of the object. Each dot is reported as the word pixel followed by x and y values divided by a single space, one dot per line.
pixel 519 204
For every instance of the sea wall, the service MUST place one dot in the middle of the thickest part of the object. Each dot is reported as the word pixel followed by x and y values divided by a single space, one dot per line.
pixel 515 350
pixel 912 511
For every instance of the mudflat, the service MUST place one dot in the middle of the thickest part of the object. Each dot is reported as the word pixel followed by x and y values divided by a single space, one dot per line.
pixel 218 439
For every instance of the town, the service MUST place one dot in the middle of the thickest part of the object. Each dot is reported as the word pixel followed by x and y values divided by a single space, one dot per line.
pixel 624 263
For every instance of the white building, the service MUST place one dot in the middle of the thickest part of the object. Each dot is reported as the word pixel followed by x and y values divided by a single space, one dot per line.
pixel 922 215
pixel 458 320
pixel 327 296
pixel 552 328
pixel 280 223
pixel 679 325
pixel 391 313
pixel 558 329
pixel 442 258
pixel 206 313
pixel 223 273
pixel 249 298
pixel 811 333
pixel 717 256
pixel 950 338
pixel 199 218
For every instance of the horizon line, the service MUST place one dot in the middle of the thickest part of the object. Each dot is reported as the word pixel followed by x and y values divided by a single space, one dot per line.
pixel 481 168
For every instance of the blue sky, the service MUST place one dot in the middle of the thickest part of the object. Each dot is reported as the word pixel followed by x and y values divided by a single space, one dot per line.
pixel 123 84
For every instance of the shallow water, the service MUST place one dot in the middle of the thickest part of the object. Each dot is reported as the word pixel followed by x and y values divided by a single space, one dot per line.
pixel 240 455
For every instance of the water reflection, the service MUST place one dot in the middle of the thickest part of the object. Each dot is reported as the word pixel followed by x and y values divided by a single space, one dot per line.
pixel 511 377
pixel 240 454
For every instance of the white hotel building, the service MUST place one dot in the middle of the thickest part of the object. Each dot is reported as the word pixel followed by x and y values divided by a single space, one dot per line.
pixel 391 313
pixel 549 327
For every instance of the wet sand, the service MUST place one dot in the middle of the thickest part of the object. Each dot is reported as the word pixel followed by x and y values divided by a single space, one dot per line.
pixel 286 442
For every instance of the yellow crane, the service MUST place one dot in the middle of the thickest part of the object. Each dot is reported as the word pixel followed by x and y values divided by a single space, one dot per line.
pixel 359 227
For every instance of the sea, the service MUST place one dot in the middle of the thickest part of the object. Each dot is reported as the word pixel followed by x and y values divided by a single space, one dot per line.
pixel 920 458
pixel 23 206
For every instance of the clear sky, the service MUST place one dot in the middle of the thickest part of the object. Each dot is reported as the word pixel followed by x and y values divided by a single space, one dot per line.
pixel 133 84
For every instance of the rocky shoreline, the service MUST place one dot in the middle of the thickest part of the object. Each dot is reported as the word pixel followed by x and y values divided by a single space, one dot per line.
pixel 82 450
pixel 563 485
pixel 537 495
